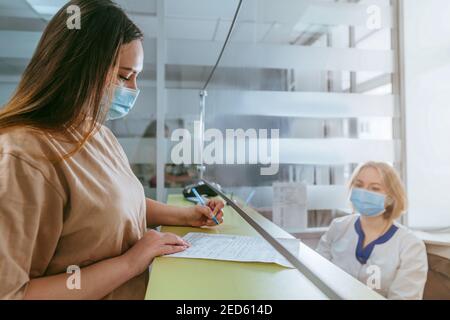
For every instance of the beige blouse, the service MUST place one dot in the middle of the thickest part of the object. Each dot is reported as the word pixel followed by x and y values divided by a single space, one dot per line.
pixel 80 211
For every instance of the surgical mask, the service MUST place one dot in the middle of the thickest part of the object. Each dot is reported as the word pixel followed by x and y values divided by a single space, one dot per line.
pixel 370 204
pixel 123 101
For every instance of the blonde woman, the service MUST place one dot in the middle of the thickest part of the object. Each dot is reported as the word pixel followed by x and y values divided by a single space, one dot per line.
pixel 370 245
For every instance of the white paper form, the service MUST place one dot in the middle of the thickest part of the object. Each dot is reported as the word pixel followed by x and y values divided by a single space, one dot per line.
pixel 235 248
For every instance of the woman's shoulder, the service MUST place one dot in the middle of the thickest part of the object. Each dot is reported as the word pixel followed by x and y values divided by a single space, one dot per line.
pixel 344 221
pixel 408 238
pixel 28 149
pixel 23 142
pixel 106 134
pixel 26 140
pixel 342 224
pixel 105 131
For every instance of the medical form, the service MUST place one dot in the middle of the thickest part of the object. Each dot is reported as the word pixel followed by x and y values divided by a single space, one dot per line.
pixel 235 248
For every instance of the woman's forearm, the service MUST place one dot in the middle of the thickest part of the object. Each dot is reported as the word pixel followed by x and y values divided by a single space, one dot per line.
pixel 162 214
pixel 97 281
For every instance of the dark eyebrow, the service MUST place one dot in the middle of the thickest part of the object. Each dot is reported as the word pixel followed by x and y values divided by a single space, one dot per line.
pixel 128 69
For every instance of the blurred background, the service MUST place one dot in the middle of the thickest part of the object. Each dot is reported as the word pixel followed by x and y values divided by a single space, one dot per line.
pixel 344 82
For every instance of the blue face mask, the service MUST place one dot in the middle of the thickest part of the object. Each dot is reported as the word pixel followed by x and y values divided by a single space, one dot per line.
pixel 123 101
pixel 368 203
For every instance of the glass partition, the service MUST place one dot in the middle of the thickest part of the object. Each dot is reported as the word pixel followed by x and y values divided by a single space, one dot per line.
pixel 318 79
pixel 313 84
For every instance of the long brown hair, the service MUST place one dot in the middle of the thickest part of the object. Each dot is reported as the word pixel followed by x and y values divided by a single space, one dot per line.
pixel 71 72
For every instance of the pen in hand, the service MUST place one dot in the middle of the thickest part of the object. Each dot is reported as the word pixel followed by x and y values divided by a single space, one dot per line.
pixel 202 202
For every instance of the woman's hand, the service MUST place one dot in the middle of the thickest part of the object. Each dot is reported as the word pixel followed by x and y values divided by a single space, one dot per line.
pixel 153 244
pixel 200 216
pixel 101 278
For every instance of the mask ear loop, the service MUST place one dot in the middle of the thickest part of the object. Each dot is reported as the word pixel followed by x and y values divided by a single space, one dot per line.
pixel 389 201
pixel 107 100
pixel 349 201
pixel 134 91
pixel 108 95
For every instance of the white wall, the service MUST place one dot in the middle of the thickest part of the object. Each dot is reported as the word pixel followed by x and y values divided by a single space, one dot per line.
pixel 427 103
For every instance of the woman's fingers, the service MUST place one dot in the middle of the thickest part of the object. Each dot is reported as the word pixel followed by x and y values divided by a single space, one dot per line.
pixel 217 206
pixel 211 222
pixel 219 216
pixel 205 211
pixel 173 239
pixel 213 204
pixel 170 249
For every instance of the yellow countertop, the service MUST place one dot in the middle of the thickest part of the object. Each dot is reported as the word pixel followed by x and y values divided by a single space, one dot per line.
pixel 180 279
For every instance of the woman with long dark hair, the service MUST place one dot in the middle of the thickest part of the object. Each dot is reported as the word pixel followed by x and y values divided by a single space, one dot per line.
pixel 68 198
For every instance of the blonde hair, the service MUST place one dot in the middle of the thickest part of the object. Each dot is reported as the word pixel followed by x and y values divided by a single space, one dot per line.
pixel 396 194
